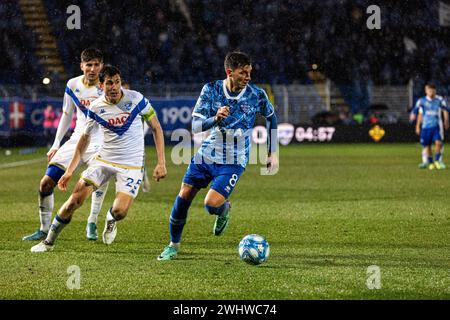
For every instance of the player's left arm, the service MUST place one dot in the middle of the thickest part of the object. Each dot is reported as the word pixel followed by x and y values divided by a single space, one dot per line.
pixel 446 124
pixel 445 111
pixel 160 170
pixel 272 143
pixel 268 111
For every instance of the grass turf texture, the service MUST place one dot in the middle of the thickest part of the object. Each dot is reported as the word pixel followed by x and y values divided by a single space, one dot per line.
pixel 330 212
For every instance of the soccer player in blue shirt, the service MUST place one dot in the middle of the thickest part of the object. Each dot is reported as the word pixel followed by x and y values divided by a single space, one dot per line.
pixel 429 125
pixel 227 107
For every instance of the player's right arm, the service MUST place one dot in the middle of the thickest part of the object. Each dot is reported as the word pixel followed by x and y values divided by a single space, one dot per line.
pixel 63 126
pixel 419 121
pixel 79 150
pixel 203 116
pixel 414 112
pixel 81 147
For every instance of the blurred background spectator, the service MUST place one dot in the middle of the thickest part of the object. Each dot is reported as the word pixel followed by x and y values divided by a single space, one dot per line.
pixel 182 41
pixel 49 122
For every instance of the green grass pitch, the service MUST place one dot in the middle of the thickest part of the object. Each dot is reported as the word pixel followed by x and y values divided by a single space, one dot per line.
pixel 330 213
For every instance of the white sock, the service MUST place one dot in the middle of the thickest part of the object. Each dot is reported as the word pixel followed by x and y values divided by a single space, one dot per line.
pixel 176 245
pixel 55 229
pixel 424 155
pixel 109 216
pixel 46 204
pixel 96 202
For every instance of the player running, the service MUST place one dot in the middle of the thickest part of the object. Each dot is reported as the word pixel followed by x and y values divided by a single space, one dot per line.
pixel 118 113
pixel 227 107
pixel 80 92
pixel 429 125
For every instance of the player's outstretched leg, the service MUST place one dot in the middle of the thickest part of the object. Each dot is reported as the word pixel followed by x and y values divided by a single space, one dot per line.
pixel 46 202
pixel 118 212
pixel 96 205
pixel 216 204
pixel 177 221
pixel 438 163
pixel 64 216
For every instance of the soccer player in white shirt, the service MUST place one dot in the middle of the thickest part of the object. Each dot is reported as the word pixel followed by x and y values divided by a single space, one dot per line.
pixel 80 92
pixel 119 113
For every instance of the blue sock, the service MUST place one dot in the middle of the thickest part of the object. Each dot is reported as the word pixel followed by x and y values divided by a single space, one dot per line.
pixel 178 218
pixel 430 159
pixel 217 210
pixel 438 157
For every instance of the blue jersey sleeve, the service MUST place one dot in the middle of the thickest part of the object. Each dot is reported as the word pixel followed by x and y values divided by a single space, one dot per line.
pixel 416 108
pixel 265 106
pixel 204 106
pixel 444 105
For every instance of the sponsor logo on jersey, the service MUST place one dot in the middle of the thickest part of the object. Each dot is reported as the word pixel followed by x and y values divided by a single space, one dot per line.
pixel 119 120
pixel 85 102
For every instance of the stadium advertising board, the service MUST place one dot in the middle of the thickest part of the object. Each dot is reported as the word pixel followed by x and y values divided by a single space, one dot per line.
pixel 23 117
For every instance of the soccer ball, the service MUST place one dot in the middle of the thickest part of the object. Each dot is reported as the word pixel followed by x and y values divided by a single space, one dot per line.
pixel 254 249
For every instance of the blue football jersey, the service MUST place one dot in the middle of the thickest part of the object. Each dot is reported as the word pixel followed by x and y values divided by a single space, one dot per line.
pixel 431 111
pixel 230 140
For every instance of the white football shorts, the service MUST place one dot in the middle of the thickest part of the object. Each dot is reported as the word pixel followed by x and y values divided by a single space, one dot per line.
pixel 64 154
pixel 128 179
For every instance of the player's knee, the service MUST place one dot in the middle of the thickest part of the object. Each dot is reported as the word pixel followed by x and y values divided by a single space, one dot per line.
pixel 46 186
pixel 187 193
pixel 211 202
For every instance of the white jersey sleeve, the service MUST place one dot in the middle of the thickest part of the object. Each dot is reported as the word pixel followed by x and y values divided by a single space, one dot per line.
pixel 148 112
pixel 91 124
pixel 66 118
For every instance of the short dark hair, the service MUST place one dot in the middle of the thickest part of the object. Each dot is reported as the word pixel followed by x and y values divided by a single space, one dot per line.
pixel 236 59
pixel 91 54
pixel 431 85
pixel 108 71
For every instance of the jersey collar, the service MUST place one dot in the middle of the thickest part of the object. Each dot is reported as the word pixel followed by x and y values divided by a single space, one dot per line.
pixel 227 95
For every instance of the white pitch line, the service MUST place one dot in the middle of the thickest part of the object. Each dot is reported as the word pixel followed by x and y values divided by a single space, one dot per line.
pixel 21 163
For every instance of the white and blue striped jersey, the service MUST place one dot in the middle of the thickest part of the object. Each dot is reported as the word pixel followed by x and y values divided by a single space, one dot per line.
pixel 79 96
pixel 229 141
pixel 431 110
pixel 122 128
